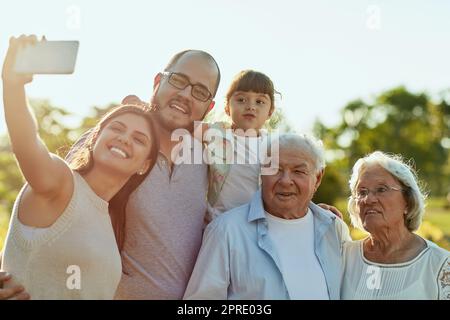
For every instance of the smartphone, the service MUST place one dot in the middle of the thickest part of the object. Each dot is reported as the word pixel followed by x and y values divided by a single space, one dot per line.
pixel 47 57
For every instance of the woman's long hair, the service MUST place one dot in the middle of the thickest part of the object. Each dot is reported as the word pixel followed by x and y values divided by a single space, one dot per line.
pixel 82 161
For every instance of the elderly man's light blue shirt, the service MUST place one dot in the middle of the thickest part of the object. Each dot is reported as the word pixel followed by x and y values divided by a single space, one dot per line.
pixel 238 259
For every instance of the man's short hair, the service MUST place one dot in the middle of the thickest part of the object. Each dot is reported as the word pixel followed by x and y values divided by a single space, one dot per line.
pixel 204 54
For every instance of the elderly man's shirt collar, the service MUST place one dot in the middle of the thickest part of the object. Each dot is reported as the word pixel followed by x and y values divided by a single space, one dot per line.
pixel 257 210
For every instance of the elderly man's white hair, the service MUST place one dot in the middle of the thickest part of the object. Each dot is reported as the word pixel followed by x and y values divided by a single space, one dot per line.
pixel 400 170
pixel 306 144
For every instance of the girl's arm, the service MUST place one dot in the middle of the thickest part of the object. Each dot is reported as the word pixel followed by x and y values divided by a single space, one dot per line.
pixel 45 173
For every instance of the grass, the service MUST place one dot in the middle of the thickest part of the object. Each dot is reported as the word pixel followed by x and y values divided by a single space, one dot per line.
pixel 440 219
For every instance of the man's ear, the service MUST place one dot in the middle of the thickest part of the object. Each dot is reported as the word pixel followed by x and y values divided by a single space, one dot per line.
pixel 156 81
pixel 156 84
pixel 319 177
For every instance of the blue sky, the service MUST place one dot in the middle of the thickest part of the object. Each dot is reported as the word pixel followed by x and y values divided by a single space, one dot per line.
pixel 320 54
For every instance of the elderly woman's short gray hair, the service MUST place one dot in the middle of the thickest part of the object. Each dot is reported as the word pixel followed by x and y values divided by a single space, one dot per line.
pixel 306 143
pixel 400 170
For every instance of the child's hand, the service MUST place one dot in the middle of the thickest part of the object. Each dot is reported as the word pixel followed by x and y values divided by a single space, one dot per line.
pixel 9 76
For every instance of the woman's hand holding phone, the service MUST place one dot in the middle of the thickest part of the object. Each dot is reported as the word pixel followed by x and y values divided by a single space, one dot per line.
pixel 9 76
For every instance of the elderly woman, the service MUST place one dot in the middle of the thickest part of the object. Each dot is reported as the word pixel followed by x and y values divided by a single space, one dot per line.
pixel 392 262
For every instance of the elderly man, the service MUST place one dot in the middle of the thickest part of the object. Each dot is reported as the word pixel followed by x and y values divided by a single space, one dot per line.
pixel 280 245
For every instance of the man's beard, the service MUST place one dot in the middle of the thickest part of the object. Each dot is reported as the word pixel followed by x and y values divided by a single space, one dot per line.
pixel 170 125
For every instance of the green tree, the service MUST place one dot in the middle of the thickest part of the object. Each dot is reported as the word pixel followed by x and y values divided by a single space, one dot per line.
pixel 396 121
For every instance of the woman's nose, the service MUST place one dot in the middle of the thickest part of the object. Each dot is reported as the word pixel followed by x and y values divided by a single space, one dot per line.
pixel 371 197
pixel 123 138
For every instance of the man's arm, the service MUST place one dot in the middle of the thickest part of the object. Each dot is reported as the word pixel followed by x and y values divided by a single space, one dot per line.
pixel 211 276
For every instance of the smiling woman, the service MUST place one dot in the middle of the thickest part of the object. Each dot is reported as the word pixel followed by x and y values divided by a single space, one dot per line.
pixel 115 126
pixel 67 225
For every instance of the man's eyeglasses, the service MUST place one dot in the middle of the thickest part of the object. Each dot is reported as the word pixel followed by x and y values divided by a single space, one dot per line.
pixel 379 192
pixel 180 81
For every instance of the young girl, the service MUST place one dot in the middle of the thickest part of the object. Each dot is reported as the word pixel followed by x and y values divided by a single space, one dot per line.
pixel 67 225
pixel 233 181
